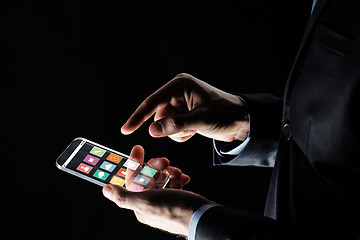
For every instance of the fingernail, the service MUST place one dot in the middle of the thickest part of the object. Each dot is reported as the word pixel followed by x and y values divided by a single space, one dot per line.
pixel 156 129
pixel 107 190
pixel 124 130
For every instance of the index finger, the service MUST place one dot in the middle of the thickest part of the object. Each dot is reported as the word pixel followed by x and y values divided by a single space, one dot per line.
pixel 148 107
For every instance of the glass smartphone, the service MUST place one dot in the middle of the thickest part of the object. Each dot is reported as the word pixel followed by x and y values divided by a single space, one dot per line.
pixel 101 165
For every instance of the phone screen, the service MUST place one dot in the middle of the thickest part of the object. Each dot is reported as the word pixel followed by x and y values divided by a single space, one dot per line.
pixel 102 165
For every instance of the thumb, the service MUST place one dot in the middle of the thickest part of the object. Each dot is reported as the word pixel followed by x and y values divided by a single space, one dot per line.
pixel 192 120
pixel 119 195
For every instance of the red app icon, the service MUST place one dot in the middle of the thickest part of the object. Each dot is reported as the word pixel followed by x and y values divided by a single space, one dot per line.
pixel 84 168
pixel 124 172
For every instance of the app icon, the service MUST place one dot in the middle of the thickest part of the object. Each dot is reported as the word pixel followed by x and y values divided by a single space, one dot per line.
pixel 84 168
pixel 124 172
pixel 142 180
pixel 107 166
pixel 131 164
pixel 91 160
pixel 101 175
pixel 148 171
pixel 114 158
pixel 97 151
pixel 117 181
pixel 135 188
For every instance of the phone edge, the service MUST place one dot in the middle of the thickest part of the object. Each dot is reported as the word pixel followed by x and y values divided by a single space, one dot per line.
pixel 108 149
pixel 101 184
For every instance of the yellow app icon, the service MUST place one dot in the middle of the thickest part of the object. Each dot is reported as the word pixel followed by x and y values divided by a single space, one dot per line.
pixel 117 181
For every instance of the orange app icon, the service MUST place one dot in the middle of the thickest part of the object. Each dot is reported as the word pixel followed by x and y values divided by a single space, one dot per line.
pixel 114 158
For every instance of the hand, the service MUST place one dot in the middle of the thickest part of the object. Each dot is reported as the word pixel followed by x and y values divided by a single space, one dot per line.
pixel 167 209
pixel 185 106
pixel 177 178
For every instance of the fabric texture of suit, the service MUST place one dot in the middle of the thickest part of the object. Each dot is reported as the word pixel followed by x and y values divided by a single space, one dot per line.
pixel 315 187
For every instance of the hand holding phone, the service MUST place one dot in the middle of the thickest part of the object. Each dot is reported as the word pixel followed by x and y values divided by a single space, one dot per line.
pixel 101 165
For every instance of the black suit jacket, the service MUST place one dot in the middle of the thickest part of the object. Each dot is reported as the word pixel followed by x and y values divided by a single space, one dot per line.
pixel 312 136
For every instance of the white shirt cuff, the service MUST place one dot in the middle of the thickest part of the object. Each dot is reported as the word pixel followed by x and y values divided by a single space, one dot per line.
pixel 238 149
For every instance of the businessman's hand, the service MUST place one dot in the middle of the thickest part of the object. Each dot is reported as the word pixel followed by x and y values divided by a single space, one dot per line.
pixel 185 106
pixel 167 209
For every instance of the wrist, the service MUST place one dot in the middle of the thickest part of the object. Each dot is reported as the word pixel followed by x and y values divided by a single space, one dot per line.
pixel 243 120
pixel 243 133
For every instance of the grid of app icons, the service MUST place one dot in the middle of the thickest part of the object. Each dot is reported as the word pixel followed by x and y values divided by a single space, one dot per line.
pixel 112 168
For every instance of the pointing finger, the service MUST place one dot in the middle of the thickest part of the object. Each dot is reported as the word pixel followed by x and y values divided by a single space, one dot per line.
pixel 149 106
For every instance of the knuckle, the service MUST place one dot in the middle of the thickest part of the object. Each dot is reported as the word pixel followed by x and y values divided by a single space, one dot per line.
pixel 175 124
pixel 183 78
pixel 119 200
pixel 181 75
pixel 177 139
pixel 139 217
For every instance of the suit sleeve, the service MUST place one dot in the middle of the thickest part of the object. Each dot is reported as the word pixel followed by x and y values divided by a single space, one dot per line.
pixel 229 223
pixel 265 121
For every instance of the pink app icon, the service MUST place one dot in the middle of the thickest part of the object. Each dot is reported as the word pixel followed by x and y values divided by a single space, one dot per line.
pixel 91 160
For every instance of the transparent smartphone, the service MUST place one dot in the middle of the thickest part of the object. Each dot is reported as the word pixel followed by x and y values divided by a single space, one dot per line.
pixel 102 165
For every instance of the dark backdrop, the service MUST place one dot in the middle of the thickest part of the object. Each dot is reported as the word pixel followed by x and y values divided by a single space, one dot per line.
pixel 80 69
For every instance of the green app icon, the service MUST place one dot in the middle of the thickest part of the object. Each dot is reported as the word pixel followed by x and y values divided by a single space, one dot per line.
pixel 101 175
pixel 98 151
pixel 148 171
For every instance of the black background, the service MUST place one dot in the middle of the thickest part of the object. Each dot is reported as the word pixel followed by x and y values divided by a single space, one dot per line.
pixel 81 68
